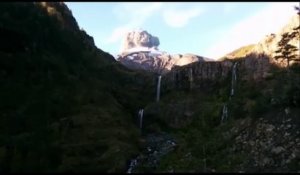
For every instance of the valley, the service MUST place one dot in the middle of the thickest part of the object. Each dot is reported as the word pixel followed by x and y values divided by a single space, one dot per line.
pixel 68 106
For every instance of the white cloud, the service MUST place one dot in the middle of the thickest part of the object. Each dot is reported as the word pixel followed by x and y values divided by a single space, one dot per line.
pixel 229 7
pixel 137 14
pixel 118 33
pixel 134 14
pixel 180 18
pixel 254 28
pixel 127 11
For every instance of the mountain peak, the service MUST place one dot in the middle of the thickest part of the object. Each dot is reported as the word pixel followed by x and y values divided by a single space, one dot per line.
pixel 140 51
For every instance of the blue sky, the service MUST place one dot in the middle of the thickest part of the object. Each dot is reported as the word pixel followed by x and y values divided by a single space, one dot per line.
pixel 209 29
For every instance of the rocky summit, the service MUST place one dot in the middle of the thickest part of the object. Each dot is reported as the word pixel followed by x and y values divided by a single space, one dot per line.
pixel 140 51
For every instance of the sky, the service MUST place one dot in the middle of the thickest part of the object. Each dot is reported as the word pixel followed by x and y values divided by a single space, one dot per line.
pixel 209 29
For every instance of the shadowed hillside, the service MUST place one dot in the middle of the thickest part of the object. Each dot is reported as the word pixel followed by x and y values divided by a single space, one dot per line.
pixel 65 104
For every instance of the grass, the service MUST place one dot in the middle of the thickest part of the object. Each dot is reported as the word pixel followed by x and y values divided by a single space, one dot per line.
pixel 240 52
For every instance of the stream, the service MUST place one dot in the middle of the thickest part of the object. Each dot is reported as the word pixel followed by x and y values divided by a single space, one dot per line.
pixel 157 145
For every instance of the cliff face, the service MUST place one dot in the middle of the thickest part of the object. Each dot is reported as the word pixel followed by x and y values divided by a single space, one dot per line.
pixel 140 51
pixel 206 74
pixel 260 128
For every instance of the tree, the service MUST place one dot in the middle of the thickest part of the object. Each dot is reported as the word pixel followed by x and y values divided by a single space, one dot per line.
pixel 296 32
pixel 297 9
pixel 287 51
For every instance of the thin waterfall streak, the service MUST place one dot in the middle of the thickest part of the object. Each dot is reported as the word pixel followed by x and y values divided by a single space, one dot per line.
pixel 224 113
pixel 191 74
pixel 158 88
pixel 233 79
pixel 224 116
pixel 133 163
pixel 141 114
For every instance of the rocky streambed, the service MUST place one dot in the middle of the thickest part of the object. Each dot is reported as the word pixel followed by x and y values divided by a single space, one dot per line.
pixel 157 145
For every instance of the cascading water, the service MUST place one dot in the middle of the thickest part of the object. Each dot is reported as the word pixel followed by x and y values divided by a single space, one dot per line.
pixel 233 79
pixel 224 113
pixel 141 113
pixel 157 146
pixel 233 84
pixel 133 163
pixel 158 88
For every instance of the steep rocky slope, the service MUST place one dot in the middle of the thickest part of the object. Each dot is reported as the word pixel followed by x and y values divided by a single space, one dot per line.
pixel 269 44
pixel 66 106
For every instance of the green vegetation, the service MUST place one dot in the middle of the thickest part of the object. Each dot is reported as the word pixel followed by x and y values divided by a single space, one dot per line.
pixel 240 52
pixel 286 51
pixel 67 106
pixel 204 145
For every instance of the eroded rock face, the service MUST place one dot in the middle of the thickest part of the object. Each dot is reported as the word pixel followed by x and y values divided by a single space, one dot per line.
pixel 140 51
pixel 205 74
pixel 145 61
pixel 159 63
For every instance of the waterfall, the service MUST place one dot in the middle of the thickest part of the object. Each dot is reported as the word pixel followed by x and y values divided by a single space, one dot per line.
pixel 141 113
pixel 224 113
pixel 233 79
pixel 191 74
pixel 158 88
pixel 233 84
pixel 133 163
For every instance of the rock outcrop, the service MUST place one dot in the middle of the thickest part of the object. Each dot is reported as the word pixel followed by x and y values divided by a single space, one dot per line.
pixel 268 45
pixel 159 63
pixel 140 51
